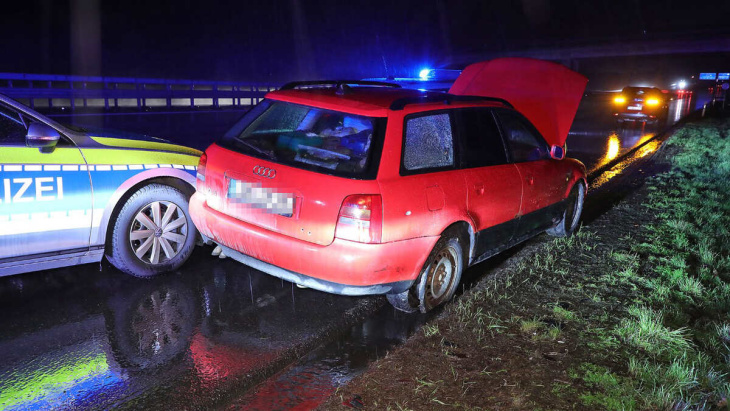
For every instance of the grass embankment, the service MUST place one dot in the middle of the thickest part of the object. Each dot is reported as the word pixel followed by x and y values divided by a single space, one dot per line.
pixel 630 313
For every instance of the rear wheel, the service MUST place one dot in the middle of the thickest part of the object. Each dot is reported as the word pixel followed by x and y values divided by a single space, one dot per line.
pixel 571 216
pixel 438 280
pixel 403 301
pixel 152 233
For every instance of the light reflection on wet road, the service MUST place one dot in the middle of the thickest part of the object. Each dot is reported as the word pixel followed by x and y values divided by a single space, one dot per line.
pixel 78 338
pixel 596 139
pixel 82 337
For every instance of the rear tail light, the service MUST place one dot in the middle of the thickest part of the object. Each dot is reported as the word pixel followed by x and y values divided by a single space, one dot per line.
pixel 361 219
pixel 619 100
pixel 652 102
pixel 200 175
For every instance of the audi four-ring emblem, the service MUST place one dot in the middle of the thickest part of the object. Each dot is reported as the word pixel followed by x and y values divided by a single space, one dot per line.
pixel 264 171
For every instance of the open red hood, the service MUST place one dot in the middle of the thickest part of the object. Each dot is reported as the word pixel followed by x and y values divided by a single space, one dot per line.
pixel 546 93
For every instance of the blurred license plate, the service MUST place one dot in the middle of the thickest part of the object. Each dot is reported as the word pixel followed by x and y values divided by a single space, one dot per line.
pixel 636 107
pixel 265 199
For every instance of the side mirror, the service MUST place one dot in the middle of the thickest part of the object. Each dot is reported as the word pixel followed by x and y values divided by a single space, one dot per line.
pixel 42 136
pixel 557 152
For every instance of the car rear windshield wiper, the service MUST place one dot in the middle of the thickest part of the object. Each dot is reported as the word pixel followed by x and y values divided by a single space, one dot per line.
pixel 259 150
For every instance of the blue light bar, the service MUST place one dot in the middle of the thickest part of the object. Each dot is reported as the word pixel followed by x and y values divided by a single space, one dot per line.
pixel 425 74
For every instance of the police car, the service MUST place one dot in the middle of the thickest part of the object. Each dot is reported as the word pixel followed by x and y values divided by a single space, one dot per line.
pixel 71 197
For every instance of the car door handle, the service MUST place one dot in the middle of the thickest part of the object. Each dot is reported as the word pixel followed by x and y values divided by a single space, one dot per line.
pixel 479 189
pixel 530 180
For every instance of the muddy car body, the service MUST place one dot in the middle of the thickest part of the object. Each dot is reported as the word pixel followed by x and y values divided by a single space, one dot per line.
pixel 362 188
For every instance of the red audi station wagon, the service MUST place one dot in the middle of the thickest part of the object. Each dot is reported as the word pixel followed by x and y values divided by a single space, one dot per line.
pixel 362 188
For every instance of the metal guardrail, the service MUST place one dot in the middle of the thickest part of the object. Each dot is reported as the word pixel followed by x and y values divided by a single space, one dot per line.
pixel 55 91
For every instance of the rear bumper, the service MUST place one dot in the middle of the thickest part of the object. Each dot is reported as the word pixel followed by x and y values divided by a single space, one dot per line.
pixel 316 283
pixel 636 116
pixel 342 267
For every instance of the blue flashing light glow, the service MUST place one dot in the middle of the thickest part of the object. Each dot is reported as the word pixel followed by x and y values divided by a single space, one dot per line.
pixel 424 74
pixel 85 393
pixel 723 76
pixel 708 76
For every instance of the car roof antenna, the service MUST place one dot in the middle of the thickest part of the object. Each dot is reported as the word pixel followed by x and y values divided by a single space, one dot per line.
pixel 343 89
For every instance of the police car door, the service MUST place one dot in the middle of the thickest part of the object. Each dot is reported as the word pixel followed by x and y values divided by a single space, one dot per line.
pixel 45 196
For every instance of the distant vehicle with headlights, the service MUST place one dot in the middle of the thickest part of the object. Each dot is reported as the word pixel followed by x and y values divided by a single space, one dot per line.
pixel 71 196
pixel 640 104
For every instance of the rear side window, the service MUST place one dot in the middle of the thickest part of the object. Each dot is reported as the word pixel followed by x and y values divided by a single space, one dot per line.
pixel 478 134
pixel 523 141
pixel 429 143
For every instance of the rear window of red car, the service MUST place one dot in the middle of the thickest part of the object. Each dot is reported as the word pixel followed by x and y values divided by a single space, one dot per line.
pixel 311 138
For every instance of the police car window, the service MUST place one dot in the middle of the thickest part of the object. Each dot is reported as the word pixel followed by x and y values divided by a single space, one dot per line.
pixel 523 141
pixel 478 134
pixel 12 127
pixel 428 142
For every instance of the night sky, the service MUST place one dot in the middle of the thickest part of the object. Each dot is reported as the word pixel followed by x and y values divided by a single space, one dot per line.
pixel 297 39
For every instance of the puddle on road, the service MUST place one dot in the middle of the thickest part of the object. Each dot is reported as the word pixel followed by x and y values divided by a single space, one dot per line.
pixel 309 382
pixel 178 342
pixel 314 378
pixel 70 376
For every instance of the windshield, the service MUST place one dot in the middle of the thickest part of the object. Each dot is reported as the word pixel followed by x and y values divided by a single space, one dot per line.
pixel 641 91
pixel 306 137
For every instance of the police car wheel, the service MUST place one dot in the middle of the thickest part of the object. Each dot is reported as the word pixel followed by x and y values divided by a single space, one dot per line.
pixel 152 233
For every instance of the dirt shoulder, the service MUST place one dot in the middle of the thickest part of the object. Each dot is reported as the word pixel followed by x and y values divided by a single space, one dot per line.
pixel 629 313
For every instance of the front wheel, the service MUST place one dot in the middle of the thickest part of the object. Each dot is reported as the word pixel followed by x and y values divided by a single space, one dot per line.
pixel 571 215
pixel 152 233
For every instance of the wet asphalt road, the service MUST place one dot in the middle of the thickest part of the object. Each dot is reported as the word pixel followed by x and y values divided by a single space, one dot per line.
pixel 91 337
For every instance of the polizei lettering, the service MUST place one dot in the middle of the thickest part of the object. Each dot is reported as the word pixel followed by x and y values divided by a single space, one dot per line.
pixel 25 190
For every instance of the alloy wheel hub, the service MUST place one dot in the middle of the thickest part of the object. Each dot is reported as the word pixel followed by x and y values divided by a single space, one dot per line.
pixel 158 232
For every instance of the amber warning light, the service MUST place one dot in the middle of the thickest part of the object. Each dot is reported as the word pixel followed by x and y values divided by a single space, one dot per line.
pixel 200 175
